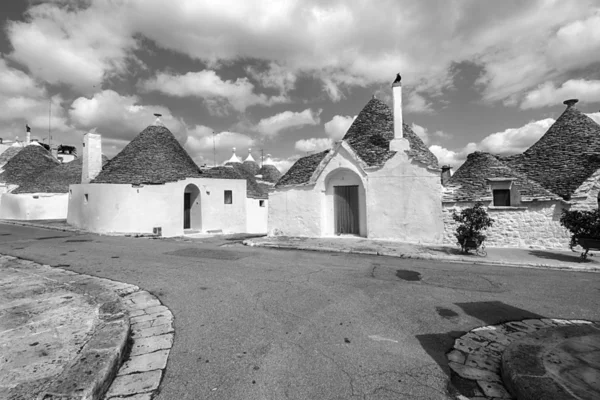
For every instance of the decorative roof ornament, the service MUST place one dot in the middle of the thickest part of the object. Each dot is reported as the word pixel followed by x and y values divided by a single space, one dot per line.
pixel 234 158
pixel 249 158
pixel 269 160
pixel 157 121
pixel 570 102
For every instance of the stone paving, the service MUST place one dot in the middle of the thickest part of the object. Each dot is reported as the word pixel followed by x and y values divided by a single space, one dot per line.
pixel 477 356
pixel 120 350
pixel 151 341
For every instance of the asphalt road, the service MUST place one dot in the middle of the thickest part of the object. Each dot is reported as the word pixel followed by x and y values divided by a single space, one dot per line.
pixel 254 323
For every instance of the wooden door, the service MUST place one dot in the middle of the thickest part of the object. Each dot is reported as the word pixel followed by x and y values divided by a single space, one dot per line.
pixel 345 209
pixel 187 206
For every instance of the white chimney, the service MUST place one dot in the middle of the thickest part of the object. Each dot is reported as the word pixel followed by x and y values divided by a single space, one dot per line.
pixel 92 157
pixel 399 143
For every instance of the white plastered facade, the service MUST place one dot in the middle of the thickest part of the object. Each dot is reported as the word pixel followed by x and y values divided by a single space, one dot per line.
pixel 399 201
pixel 129 209
pixel 33 206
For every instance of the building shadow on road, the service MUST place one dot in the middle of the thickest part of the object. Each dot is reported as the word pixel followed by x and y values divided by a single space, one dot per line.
pixel 490 313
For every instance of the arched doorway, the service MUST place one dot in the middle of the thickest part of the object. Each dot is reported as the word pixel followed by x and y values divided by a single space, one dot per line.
pixel 345 212
pixel 192 214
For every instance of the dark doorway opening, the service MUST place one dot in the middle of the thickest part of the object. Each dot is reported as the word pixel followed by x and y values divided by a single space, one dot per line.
pixel 345 208
pixel 187 210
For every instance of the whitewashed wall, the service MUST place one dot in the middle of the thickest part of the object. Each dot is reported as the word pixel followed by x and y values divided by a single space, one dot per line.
pixel 401 201
pixel 32 206
pixel 256 221
pixel 137 210
pixel 405 202
pixel 294 212
pixel 535 225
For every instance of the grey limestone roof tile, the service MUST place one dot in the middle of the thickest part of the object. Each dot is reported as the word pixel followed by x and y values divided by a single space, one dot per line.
pixel 152 157
pixel 469 182
pixel 31 161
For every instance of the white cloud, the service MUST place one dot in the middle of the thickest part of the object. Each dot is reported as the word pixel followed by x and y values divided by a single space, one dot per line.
pixel 515 140
pixel 416 103
pixel 275 76
pixel 595 116
pixel 313 145
pixel 271 126
pixel 200 144
pixel 208 85
pixel 121 117
pixel 338 126
pixel 548 94
pixel 76 46
pixel 577 44
pixel 507 142
pixel 426 136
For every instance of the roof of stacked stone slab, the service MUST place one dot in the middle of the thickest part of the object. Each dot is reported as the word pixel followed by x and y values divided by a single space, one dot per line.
pixel 470 181
pixel 269 173
pixel 31 161
pixel 55 180
pixel 371 132
pixel 152 157
pixel 567 154
pixel 302 170
pixel 9 153
pixel 369 136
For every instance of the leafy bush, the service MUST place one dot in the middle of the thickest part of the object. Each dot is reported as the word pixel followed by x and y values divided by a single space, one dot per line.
pixel 472 222
pixel 581 224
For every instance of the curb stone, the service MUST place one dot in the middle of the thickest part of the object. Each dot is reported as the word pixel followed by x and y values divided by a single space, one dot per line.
pixel 477 356
pixel 150 344
pixel 421 256
pixel 44 226
pixel 118 373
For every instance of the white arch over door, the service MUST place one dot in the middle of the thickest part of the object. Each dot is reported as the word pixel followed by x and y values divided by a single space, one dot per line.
pixel 343 177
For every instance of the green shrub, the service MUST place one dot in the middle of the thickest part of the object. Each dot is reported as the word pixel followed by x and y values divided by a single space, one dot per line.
pixel 472 222
pixel 581 224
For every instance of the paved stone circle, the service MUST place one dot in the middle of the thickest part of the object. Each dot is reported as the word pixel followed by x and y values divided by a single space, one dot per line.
pixel 477 355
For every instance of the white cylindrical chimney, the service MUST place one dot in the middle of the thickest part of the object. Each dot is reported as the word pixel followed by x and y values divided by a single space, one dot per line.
pixel 92 157
pixel 399 142
pixel 397 96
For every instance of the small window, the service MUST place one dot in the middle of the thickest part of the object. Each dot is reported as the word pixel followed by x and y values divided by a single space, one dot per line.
pixel 228 197
pixel 501 197
pixel 85 198
pixel 261 203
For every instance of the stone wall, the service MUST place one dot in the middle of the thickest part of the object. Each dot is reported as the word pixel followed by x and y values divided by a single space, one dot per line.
pixel 535 225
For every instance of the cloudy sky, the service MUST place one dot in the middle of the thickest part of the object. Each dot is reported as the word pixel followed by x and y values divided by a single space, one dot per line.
pixel 288 76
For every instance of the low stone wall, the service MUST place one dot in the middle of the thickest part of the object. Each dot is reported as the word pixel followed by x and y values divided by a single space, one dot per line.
pixel 535 225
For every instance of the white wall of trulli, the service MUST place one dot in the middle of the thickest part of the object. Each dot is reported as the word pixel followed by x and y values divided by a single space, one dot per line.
pixel 532 225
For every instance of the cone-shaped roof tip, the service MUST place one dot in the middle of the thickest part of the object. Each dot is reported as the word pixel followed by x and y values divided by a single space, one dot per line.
pixel 157 121
pixel 570 102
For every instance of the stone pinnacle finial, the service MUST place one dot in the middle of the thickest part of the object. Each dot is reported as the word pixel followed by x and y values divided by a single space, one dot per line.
pixel 570 102
pixel 398 80
pixel 157 121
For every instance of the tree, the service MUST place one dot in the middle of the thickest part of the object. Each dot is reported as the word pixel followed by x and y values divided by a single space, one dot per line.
pixel 472 222
pixel 581 224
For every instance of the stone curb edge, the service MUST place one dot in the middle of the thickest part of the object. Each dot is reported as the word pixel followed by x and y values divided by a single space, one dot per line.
pixel 477 356
pixel 124 324
pixel 34 225
pixel 423 257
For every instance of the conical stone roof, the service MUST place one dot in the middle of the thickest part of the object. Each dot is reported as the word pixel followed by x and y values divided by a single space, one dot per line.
pixel 269 173
pixel 31 161
pixel 152 157
pixel 55 180
pixel 567 154
pixel 371 132
pixel 469 182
